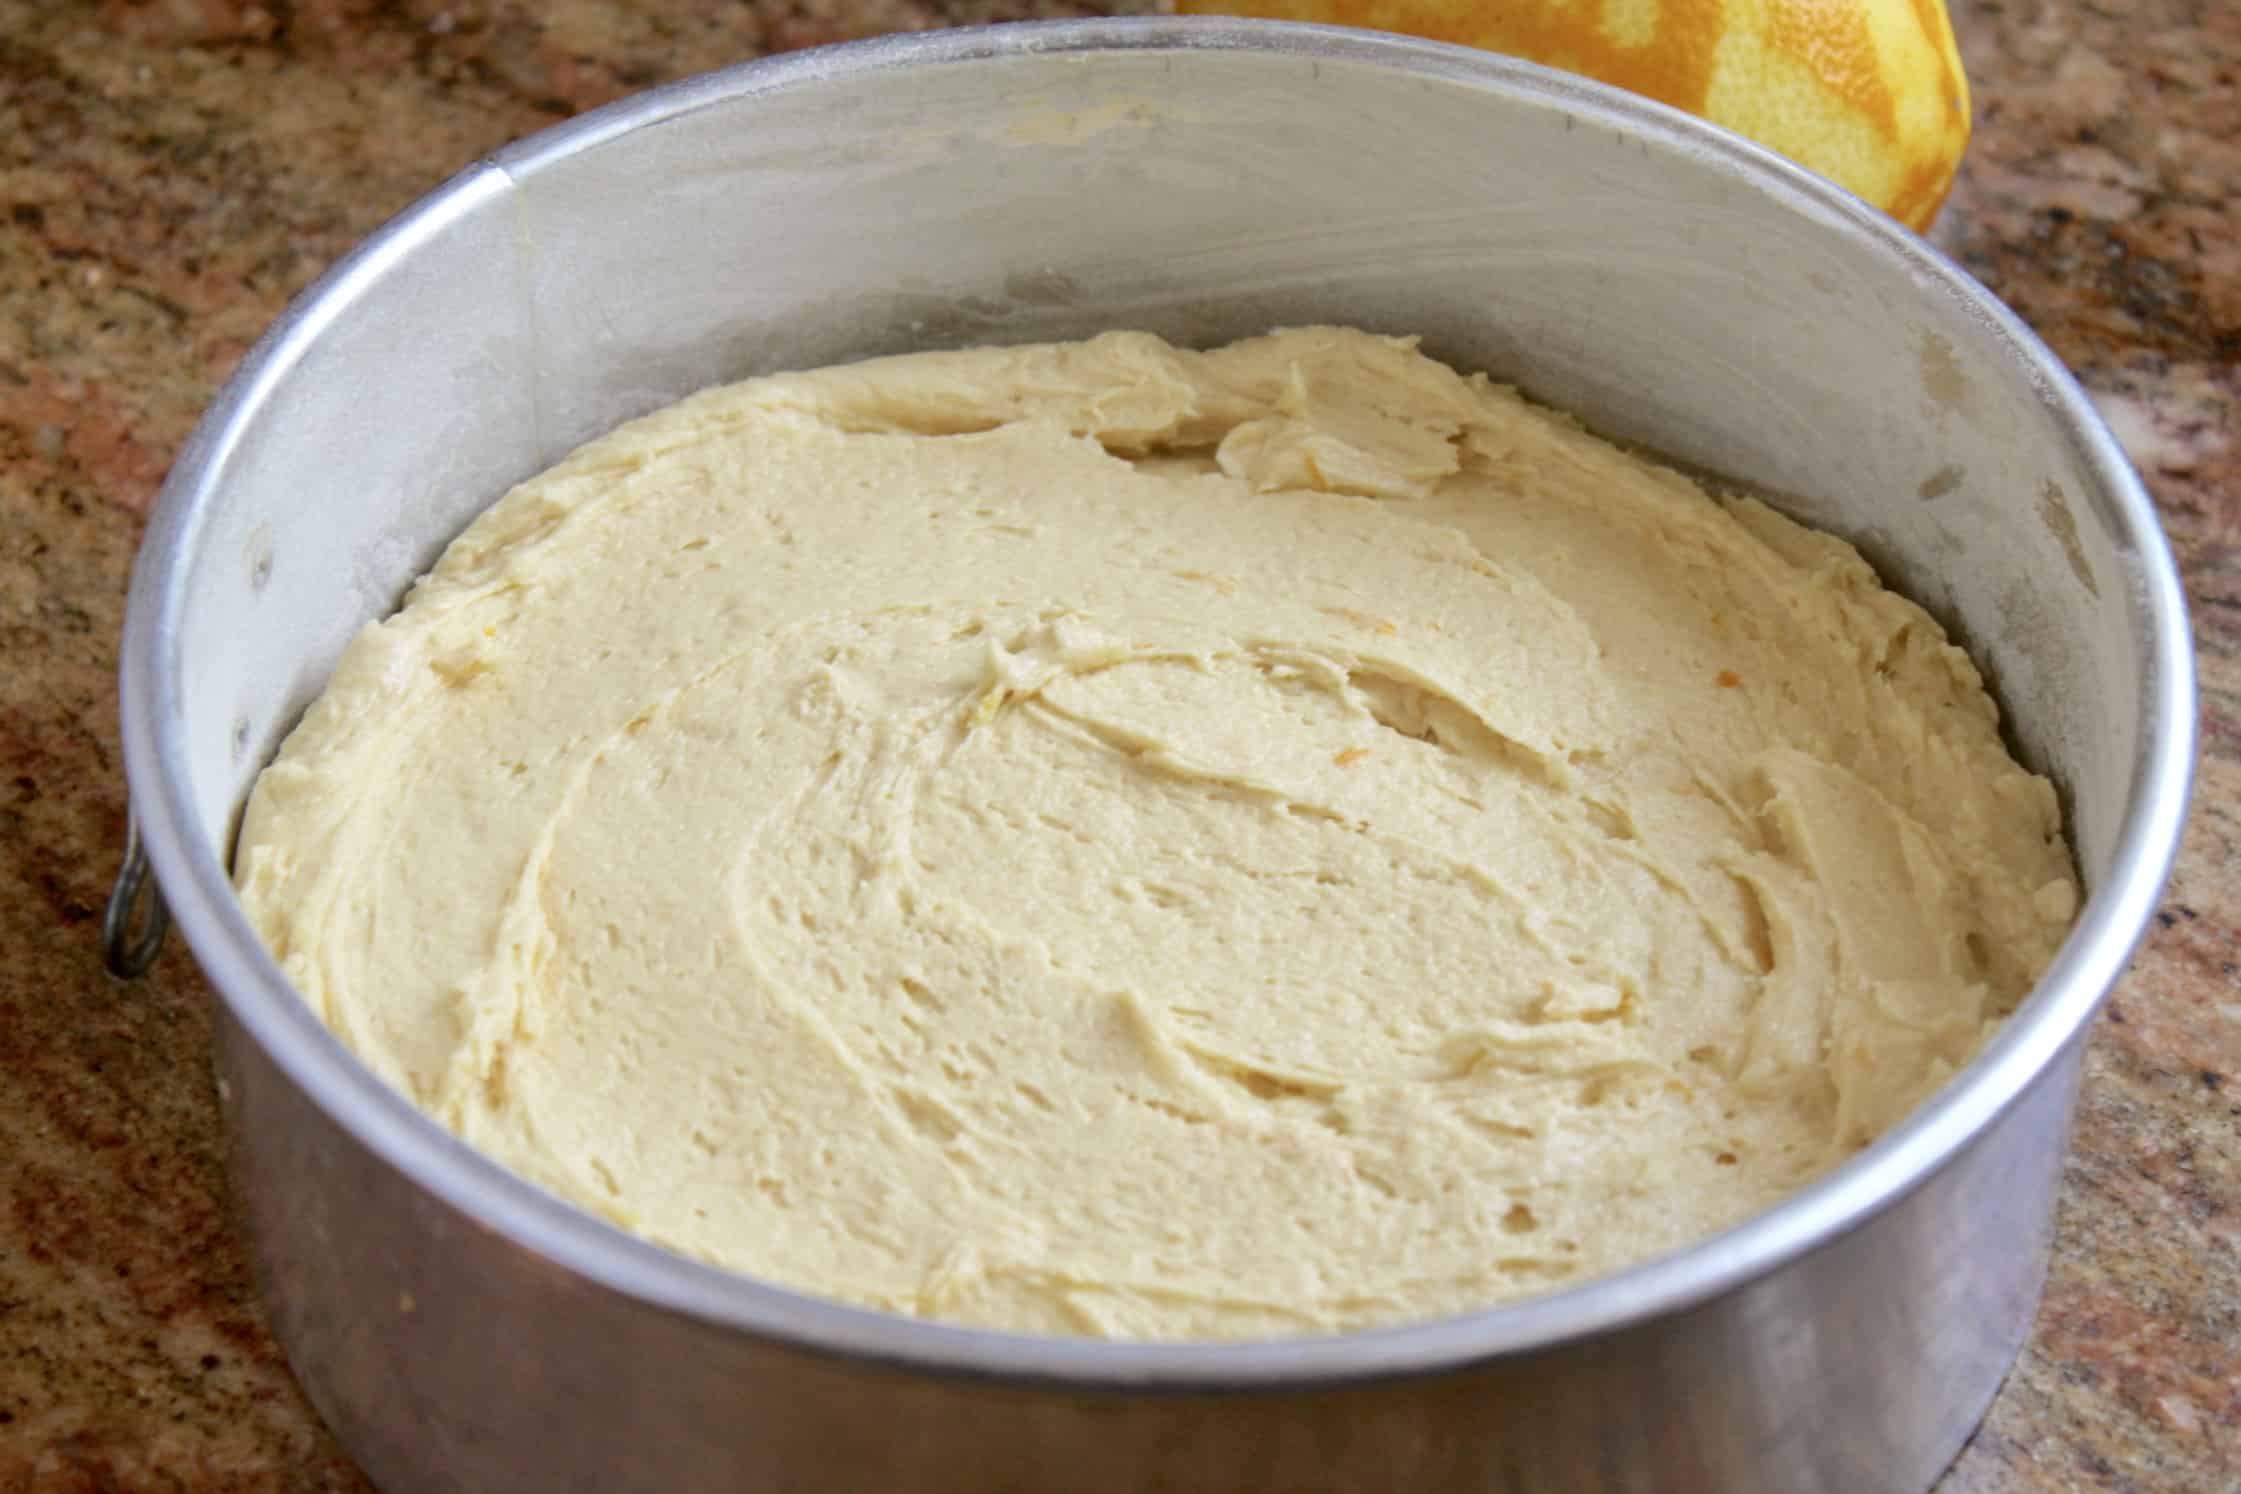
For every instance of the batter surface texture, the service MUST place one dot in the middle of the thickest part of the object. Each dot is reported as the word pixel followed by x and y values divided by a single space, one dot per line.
pixel 1106 839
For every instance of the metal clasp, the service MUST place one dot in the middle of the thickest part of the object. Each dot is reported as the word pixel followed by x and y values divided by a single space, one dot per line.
pixel 135 903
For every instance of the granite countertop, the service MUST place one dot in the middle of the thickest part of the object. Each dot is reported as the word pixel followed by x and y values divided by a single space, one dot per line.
pixel 172 171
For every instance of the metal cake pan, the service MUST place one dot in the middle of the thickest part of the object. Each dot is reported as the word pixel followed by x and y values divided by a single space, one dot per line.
pixel 1668 282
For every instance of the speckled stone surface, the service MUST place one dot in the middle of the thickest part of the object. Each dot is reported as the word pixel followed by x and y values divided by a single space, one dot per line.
pixel 172 171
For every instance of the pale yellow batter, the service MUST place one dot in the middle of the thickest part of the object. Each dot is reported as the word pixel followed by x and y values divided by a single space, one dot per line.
pixel 1107 839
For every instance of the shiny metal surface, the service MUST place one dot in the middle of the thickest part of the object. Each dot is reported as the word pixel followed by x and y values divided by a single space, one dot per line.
pixel 135 921
pixel 1669 283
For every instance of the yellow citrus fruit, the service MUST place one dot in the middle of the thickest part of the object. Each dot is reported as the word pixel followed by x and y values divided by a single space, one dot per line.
pixel 1867 92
